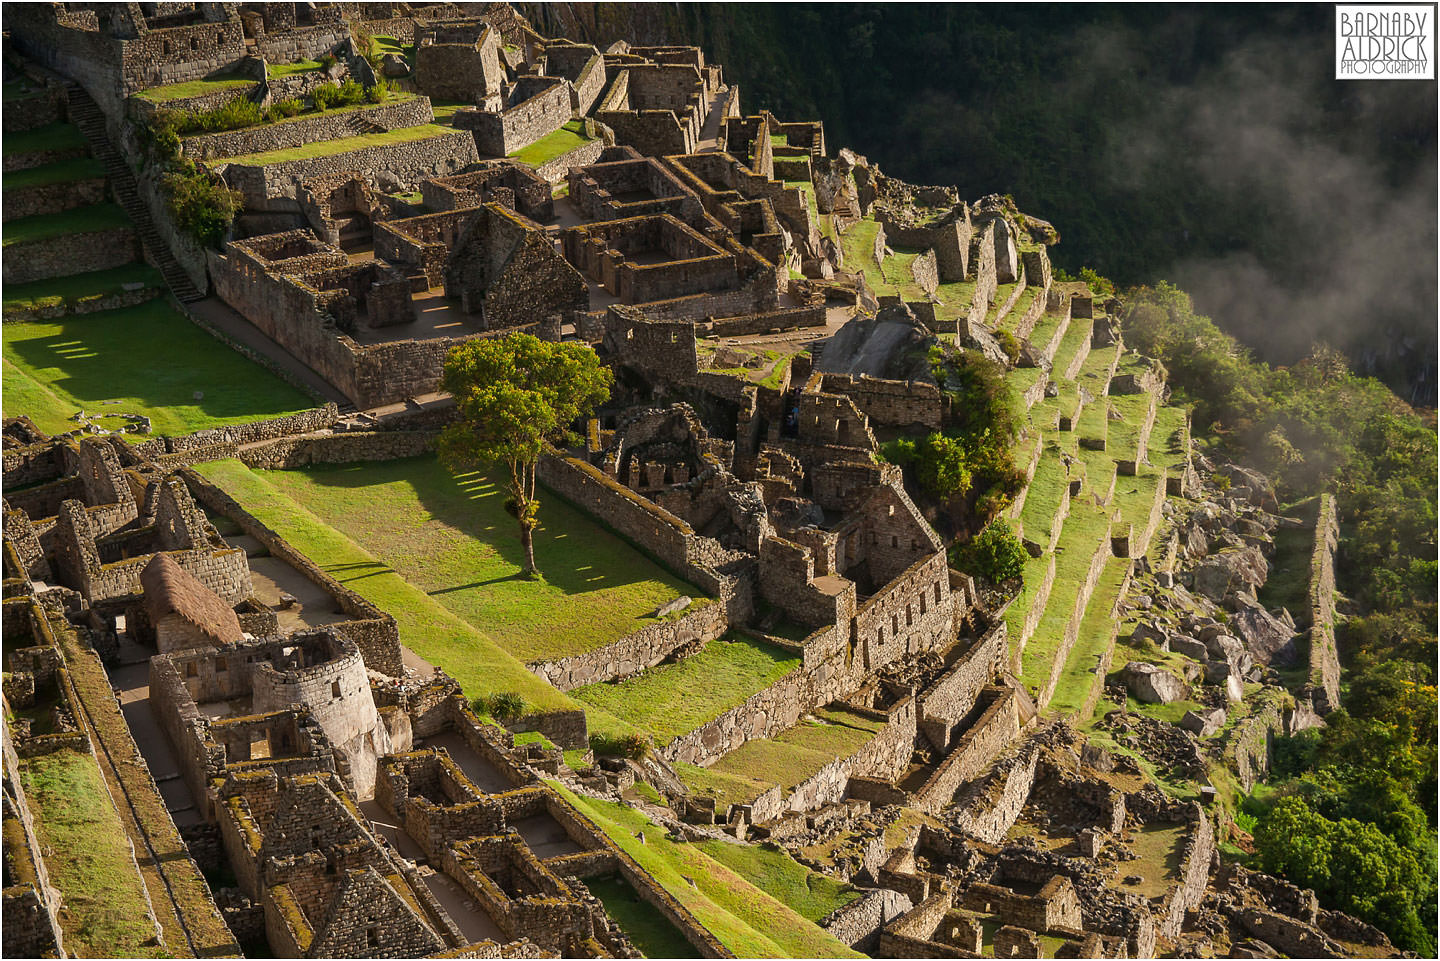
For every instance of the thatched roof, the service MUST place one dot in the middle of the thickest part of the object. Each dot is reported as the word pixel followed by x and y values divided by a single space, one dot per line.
pixel 170 589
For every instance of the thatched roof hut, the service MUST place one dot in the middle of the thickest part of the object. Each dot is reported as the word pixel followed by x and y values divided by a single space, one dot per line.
pixel 172 590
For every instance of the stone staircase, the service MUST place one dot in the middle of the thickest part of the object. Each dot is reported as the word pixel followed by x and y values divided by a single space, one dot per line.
pixel 360 126
pixel 86 115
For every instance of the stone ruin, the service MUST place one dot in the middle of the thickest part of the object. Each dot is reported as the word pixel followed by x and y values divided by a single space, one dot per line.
pixel 361 805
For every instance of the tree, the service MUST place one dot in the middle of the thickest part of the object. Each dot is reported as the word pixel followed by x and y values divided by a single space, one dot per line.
pixel 996 554
pixel 516 394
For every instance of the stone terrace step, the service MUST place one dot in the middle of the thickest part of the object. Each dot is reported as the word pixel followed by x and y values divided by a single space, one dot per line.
pixel 88 117
pixel 1074 348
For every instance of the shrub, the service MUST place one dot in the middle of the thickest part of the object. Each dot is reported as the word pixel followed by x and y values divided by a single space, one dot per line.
pixel 201 204
pixel 325 96
pixel 378 91
pixel 288 108
pixel 995 554
pixel 633 746
pixel 351 92
pixel 506 707
pixel 1009 344
pixel 234 115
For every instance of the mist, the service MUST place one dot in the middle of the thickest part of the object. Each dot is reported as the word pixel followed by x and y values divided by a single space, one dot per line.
pixel 1341 243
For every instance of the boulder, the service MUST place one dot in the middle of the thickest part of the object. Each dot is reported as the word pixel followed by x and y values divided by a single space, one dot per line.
pixel 1183 644
pixel 1152 685
pixel 394 65
pixel 1147 632
pixel 1267 637
pixel 1248 484
pixel 1241 570
pixel 1203 723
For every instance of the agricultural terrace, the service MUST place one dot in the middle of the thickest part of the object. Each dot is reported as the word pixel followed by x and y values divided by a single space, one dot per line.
pixel 145 359
pixel 749 921
pixel 451 536
pixel 674 699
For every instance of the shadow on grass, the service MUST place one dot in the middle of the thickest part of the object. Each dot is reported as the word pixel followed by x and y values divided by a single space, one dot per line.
pixel 151 354
pixel 574 553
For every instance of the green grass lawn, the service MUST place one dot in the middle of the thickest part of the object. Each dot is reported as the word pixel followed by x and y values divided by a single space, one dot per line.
pixel 725 787
pixel 553 145
pixel 193 88
pixel 808 893
pixel 328 148
pixel 149 359
pixel 55 136
pixel 59 172
pixel 750 922
pixel 275 70
pixel 88 856
pixel 796 754
pixel 427 627
pixel 451 537
pixel 673 699
pixel 1097 634
pixel 76 287
pixel 648 929
pixel 80 220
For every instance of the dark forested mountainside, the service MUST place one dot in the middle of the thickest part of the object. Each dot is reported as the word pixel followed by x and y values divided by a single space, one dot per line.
pixel 1207 145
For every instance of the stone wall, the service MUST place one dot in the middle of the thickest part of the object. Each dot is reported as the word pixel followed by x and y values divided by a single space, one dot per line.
pixel 299 131
pixel 858 923
pixel 67 254
pixel 655 530
pixel 635 651
pixel 544 109
pixel 177 54
pixel 288 453
pixel 558 169
pixel 1324 654
pixel 275 187
pixel 992 731
pixel 892 403
pixel 53 198
pixel 988 808
pixel 946 702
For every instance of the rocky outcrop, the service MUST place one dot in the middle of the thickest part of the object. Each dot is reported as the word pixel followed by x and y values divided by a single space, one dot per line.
pixel 1269 639
pixel 1151 684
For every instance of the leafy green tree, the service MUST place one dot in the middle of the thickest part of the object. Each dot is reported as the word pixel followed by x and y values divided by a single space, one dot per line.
pixel 517 394
pixel 995 553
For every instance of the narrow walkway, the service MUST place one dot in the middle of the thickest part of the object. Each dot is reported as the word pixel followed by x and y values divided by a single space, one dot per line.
pixel 709 139
pixel 220 315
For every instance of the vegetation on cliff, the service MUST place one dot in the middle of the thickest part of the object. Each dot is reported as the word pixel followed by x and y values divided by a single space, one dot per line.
pixel 1351 808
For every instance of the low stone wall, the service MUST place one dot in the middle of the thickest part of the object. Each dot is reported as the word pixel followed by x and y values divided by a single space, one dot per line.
pixel 858 923
pixel 84 305
pixel 299 131
pixel 883 756
pixel 1197 852
pixel 636 651
pixel 788 318
pixel 582 156
pixel 316 418
pixel 20 202
pixel 1324 653
pixel 69 254
pixel 143 111
pixel 766 713
pixel 287 453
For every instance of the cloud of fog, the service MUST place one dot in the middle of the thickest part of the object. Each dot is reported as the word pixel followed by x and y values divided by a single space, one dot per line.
pixel 1357 248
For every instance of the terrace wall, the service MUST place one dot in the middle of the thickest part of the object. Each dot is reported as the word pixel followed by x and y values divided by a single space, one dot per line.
pixel 275 186
pixel 299 131
pixel 635 651
pixel 80 252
